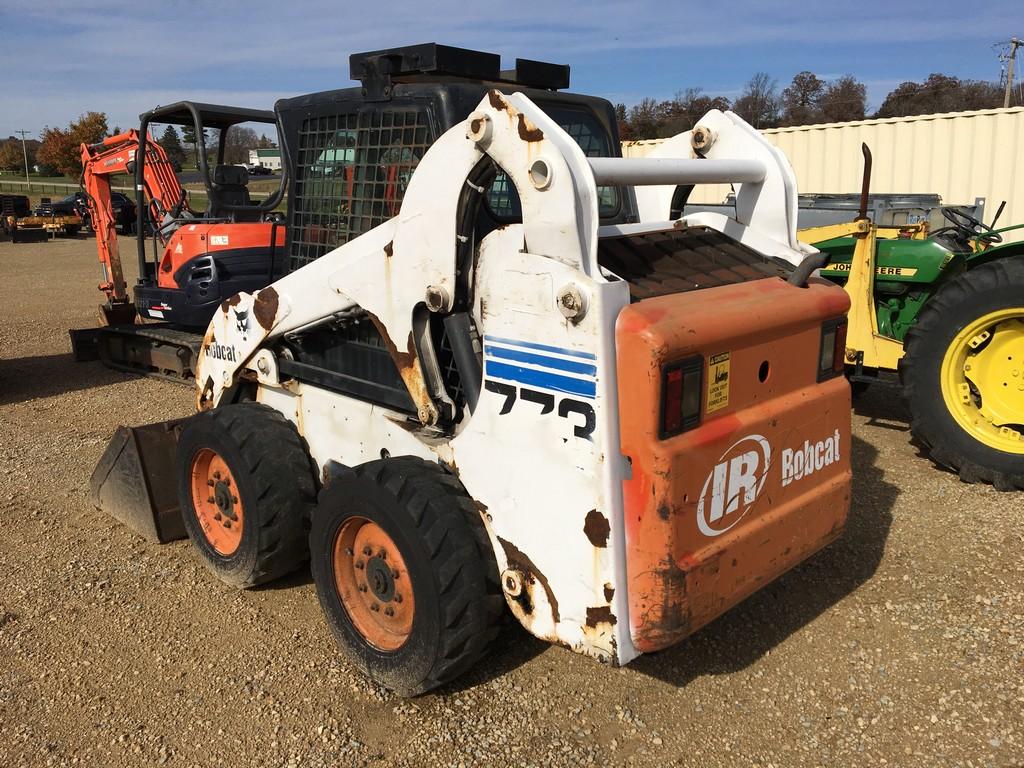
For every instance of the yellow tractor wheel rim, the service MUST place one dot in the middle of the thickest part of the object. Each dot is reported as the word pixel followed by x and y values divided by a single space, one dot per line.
pixel 982 379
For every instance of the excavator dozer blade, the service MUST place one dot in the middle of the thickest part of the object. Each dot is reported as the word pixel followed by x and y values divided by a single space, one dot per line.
pixel 122 313
pixel 134 481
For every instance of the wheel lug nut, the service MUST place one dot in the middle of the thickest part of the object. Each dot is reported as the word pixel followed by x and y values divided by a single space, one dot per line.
pixel 383 554
pixel 227 523
pixel 349 552
pixel 394 574
pixel 367 551
pixel 362 587
pixel 389 611
pixel 217 474
pixel 374 607
pixel 218 517
pixel 360 565
pixel 211 500
pixel 398 598
pixel 210 483
pixel 234 499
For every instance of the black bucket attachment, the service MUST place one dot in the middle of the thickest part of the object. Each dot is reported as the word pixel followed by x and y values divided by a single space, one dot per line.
pixel 134 481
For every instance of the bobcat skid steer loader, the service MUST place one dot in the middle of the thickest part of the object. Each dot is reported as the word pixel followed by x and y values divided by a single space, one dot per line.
pixel 614 432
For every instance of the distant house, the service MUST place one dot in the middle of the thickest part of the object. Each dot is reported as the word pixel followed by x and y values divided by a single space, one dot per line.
pixel 268 158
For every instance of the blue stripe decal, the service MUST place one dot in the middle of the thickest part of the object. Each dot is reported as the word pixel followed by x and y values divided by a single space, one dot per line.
pixel 541 347
pixel 543 379
pixel 569 366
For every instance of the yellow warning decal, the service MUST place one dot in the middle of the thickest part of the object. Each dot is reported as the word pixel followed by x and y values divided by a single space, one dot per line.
pixel 718 382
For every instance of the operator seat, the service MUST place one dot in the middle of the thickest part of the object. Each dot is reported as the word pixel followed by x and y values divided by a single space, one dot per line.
pixel 230 186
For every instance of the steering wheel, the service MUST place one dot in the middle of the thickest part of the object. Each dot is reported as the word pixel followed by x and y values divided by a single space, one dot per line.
pixel 176 211
pixel 970 227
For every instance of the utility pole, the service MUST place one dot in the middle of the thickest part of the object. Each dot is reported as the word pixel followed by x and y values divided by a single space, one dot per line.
pixel 1014 45
pixel 24 153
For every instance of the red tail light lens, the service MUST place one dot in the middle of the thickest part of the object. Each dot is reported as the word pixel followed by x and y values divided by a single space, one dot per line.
pixel 839 356
pixel 682 386
pixel 832 353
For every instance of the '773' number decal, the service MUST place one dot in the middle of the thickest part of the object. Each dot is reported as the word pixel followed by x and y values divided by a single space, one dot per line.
pixel 567 406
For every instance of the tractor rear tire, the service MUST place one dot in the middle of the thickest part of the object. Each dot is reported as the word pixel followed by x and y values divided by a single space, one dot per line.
pixel 405 573
pixel 246 488
pixel 981 292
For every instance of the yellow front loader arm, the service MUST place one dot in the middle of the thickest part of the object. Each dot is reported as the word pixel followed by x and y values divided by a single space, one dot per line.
pixel 863 341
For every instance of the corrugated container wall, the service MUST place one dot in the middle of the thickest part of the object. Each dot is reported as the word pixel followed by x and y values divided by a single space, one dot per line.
pixel 958 155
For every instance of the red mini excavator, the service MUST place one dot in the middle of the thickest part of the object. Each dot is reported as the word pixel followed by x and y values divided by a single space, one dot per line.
pixel 197 259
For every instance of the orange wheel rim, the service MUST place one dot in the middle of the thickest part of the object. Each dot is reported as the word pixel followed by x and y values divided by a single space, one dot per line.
pixel 216 502
pixel 373 584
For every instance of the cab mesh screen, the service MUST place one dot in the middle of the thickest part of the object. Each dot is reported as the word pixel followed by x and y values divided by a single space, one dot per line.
pixel 679 260
pixel 350 176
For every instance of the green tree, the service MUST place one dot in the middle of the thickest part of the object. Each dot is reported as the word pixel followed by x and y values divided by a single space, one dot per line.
pixel 188 135
pixel 11 157
pixel 684 111
pixel 622 118
pixel 800 100
pixel 238 140
pixel 61 147
pixel 644 119
pixel 172 145
pixel 759 102
pixel 843 100
pixel 940 93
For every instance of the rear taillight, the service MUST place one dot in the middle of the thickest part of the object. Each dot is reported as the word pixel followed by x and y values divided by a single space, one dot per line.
pixel 832 354
pixel 682 385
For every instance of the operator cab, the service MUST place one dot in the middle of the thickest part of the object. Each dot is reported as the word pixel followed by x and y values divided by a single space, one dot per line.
pixel 352 151
pixel 227 186
pixel 200 258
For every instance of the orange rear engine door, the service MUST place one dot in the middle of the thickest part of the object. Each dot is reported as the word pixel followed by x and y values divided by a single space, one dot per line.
pixel 760 480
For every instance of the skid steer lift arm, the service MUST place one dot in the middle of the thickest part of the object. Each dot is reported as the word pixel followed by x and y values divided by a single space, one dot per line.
pixel 557 185
pixel 116 155
pixel 766 205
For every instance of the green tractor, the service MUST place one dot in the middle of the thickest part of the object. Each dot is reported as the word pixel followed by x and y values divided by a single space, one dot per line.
pixel 944 309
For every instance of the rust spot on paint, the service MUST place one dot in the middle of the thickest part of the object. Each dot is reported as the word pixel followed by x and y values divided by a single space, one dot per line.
pixel 497 100
pixel 602 614
pixel 408 364
pixel 519 561
pixel 597 528
pixel 609 592
pixel 664 615
pixel 389 249
pixel 230 302
pixel 403 360
pixel 528 131
pixel 264 309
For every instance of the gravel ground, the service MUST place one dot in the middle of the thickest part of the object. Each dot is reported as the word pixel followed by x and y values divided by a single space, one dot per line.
pixel 901 644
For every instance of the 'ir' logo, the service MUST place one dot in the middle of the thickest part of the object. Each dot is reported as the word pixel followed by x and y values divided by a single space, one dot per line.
pixel 733 485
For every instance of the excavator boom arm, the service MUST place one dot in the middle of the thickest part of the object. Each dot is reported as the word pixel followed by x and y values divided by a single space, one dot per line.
pixel 113 156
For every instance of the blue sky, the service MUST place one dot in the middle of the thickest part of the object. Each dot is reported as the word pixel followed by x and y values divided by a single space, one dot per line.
pixel 61 58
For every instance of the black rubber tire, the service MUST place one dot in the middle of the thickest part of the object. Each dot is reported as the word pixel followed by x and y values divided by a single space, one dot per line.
pixel 980 290
pixel 438 531
pixel 275 482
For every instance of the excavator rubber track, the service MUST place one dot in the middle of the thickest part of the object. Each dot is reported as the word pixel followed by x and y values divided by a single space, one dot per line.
pixel 157 350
